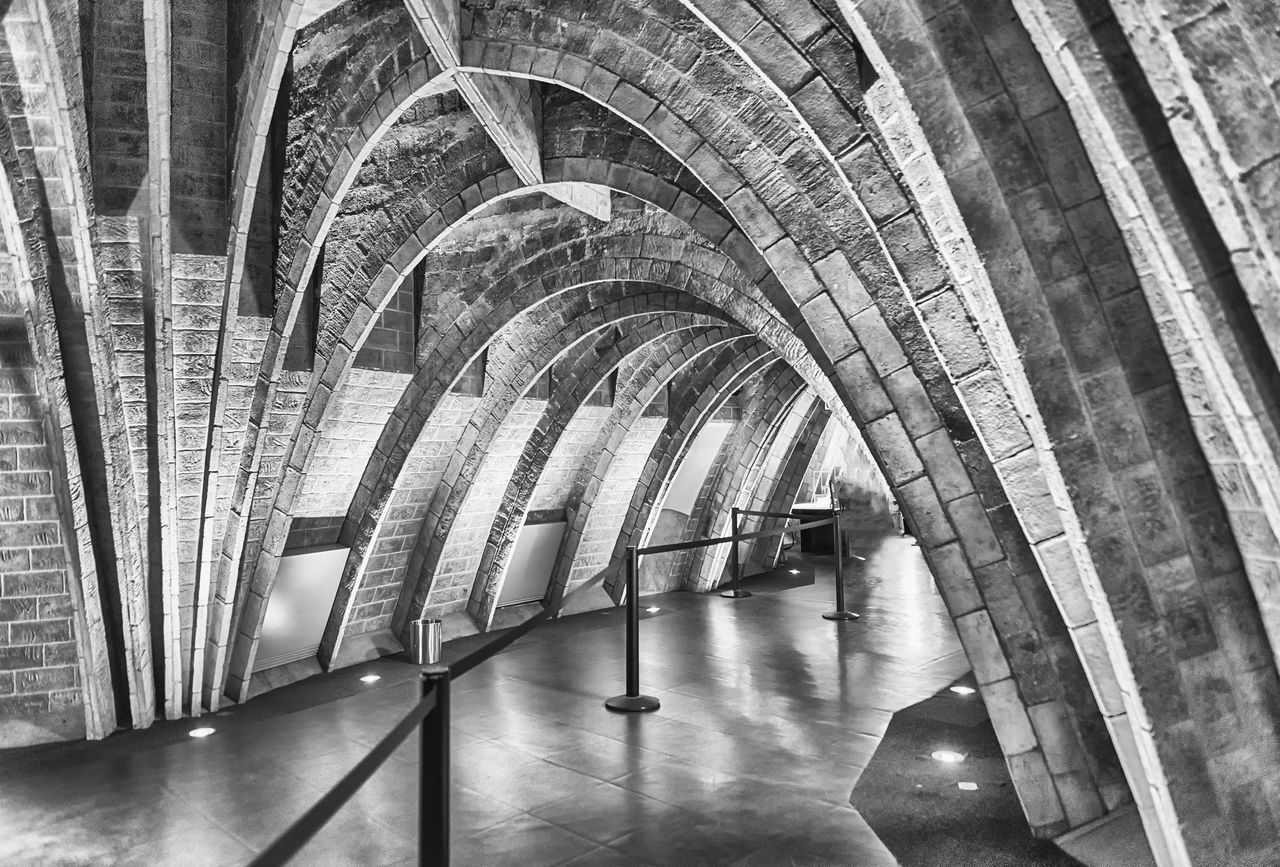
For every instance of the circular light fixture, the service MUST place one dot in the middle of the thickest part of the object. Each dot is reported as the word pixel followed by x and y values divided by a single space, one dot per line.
pixel 201 732
pixel 371 678
pixel 795 571
pixel 963 690
pixel 948 756
pixel 653 609
pixel 967 787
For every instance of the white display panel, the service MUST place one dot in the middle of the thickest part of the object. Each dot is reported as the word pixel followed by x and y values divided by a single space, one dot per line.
pixel 306 584
pixel 683 492
pixel 529 568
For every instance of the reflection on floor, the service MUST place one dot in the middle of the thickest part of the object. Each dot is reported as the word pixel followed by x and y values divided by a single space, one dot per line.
pixel 769 714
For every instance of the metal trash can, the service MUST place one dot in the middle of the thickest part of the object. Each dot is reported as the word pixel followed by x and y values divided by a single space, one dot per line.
pixel 425 641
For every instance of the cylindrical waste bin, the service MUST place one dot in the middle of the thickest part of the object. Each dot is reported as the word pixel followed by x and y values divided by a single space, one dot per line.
pixel 425 641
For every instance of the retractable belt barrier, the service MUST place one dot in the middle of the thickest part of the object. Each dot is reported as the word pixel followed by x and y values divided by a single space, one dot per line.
pixel 306 826
pixel 432 710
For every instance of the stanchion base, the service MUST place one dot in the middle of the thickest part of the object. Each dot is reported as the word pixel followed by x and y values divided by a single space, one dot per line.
pixel 736 594
pixel 632 703
pixel 840 615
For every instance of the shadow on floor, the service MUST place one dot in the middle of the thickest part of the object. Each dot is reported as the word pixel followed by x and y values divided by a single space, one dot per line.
pixel 915 804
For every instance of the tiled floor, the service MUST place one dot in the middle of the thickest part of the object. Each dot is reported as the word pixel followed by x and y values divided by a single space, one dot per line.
pixel 768 715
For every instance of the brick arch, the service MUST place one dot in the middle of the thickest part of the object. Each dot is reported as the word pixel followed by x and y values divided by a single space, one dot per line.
pixel 1108 419
pixel 1197 295
pixel 1211 69
pixel 436 539
pixel 739 299
pixel 694 395
pixel 705 395
pixel 351 318
pixel 386 270
pixel 794 246
pixel 390 58
pixel 650 94
pixel 680 265
pixel 659 340
pixel 597 465
pixel 793 466
pixel 768 401
pixel 859 368
pixel 1213 324
pixel 743 457
pixel 569 317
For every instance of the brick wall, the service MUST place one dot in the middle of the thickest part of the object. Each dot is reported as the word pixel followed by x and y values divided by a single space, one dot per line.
pixel 459 559
pixel 611 503
pixel 552 489
pixel 374 603
pixel 361 406
pixel 40 689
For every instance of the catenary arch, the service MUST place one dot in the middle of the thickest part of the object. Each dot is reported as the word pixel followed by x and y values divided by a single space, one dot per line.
pixel 710 41
pixel 664 337
pixel 441 366
pixel 681 263
pixel 572 314
pixel 434 540
pixel 888 425
pixel 924 497
pixel 794 463
pixel 1037 486
pixel 643 386
pixel 854 366
pixel 649 373
pixel 697 394
pixel 997 416
pixel 742 459
pixel 707 517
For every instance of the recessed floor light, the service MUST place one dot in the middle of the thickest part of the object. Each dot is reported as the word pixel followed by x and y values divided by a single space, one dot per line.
pixel 963 690
pixel 201 732
pixel 371 678
pixel 653 609
pixel 967 787
pixel 795 571
pixel 948 756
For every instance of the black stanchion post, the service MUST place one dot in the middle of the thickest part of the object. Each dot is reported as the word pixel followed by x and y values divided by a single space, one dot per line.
pixel 735 566
pixel 841 613
pixel 633 701
pixel 433 775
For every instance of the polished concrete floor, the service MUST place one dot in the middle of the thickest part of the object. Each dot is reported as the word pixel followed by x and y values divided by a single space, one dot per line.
pixel 769 714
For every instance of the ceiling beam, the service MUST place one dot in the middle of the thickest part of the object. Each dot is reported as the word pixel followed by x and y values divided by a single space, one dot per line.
pixel 504 106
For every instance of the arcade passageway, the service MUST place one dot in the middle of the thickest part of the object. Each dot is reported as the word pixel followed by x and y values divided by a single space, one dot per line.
pixel 320 319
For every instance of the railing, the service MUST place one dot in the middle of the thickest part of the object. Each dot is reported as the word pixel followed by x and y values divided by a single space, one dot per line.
pixel 432 710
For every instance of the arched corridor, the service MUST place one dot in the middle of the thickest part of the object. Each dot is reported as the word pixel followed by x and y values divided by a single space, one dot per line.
pixel 319 318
